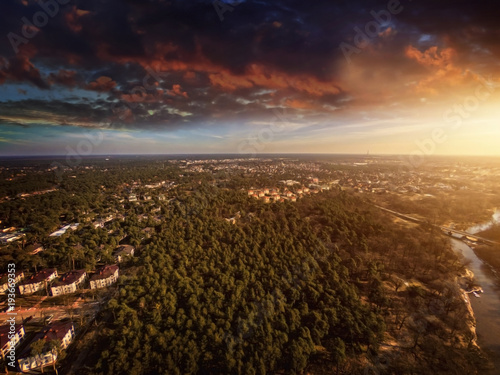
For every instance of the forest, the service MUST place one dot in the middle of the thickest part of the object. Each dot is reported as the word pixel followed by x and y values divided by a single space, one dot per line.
pixel 326 285
pixel 317 287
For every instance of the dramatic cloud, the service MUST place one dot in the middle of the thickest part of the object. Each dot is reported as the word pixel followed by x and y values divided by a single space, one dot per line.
pixel 175 65
pixel 101 84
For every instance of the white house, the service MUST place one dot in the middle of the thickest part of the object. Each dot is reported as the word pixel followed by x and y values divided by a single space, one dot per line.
pixel 123 252
pixel 64 332
pixel 105 276
pixel 64 229
pixel 17 334
pixel 37 281
pixel 69 282
pixel 4 281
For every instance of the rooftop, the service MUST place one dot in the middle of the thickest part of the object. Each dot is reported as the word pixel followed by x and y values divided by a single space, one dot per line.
pixel 39 276
pixel 33 247
pixel 4 277
pixel 124 250
pixel 70 277
pixel 4 333
pixel 54 331
pixel 104 272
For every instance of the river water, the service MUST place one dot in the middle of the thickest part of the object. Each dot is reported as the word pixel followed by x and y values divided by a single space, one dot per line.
pixel 487 307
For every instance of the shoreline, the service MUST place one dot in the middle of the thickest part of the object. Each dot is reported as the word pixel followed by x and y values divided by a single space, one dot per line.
pixel 467 278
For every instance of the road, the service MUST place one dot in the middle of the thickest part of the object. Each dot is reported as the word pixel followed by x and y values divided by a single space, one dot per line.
pixel 58 311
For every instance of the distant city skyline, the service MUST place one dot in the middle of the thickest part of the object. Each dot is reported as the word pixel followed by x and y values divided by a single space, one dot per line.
pixel 212 77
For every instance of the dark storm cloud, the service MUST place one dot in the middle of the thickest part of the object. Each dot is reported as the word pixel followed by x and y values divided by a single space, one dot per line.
pixel 57 112
pixel 173 63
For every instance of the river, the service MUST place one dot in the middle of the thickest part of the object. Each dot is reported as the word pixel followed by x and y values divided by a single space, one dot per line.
pixel 487 307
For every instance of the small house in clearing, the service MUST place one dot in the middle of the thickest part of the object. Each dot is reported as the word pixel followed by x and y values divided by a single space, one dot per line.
pixel 122 252
pixel 34 248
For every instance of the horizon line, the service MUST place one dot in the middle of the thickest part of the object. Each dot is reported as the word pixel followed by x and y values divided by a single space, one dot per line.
pixel 246 156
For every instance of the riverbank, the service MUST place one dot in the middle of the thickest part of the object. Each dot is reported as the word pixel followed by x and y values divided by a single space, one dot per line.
pixel 485 308
pixel 466 283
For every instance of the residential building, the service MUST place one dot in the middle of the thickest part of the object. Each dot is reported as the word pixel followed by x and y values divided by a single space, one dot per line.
pixel 34 248
pixel 69 282
pixel 17 334
pixel 37 281
pixel 60 232
pixel 148 231
pixel 122 252
pixel 11 237
pixel 99 223
pixel 64 332
pixel 4 280
pixel 104 276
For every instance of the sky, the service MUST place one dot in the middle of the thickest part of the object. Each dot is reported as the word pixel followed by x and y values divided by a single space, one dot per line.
pixel 94 77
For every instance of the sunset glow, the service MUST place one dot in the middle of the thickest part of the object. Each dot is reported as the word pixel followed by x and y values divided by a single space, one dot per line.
pixel 251 77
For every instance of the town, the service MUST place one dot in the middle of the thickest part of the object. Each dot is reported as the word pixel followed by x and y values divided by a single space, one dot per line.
pixel 70 264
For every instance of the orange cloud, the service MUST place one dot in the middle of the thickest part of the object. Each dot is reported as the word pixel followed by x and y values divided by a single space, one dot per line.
pixel 141 97
pixel 101 84
pixel 444 73
pixel 258 75
pixel 387 33
pixel 20 68
pixel 228 81
pixel 63 77
pixel 255 75
pixel 300 104
pixel 176 91
pixel 73 18
pixel 431 57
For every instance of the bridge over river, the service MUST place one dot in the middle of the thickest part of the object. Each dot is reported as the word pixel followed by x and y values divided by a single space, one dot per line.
pixel 449 231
